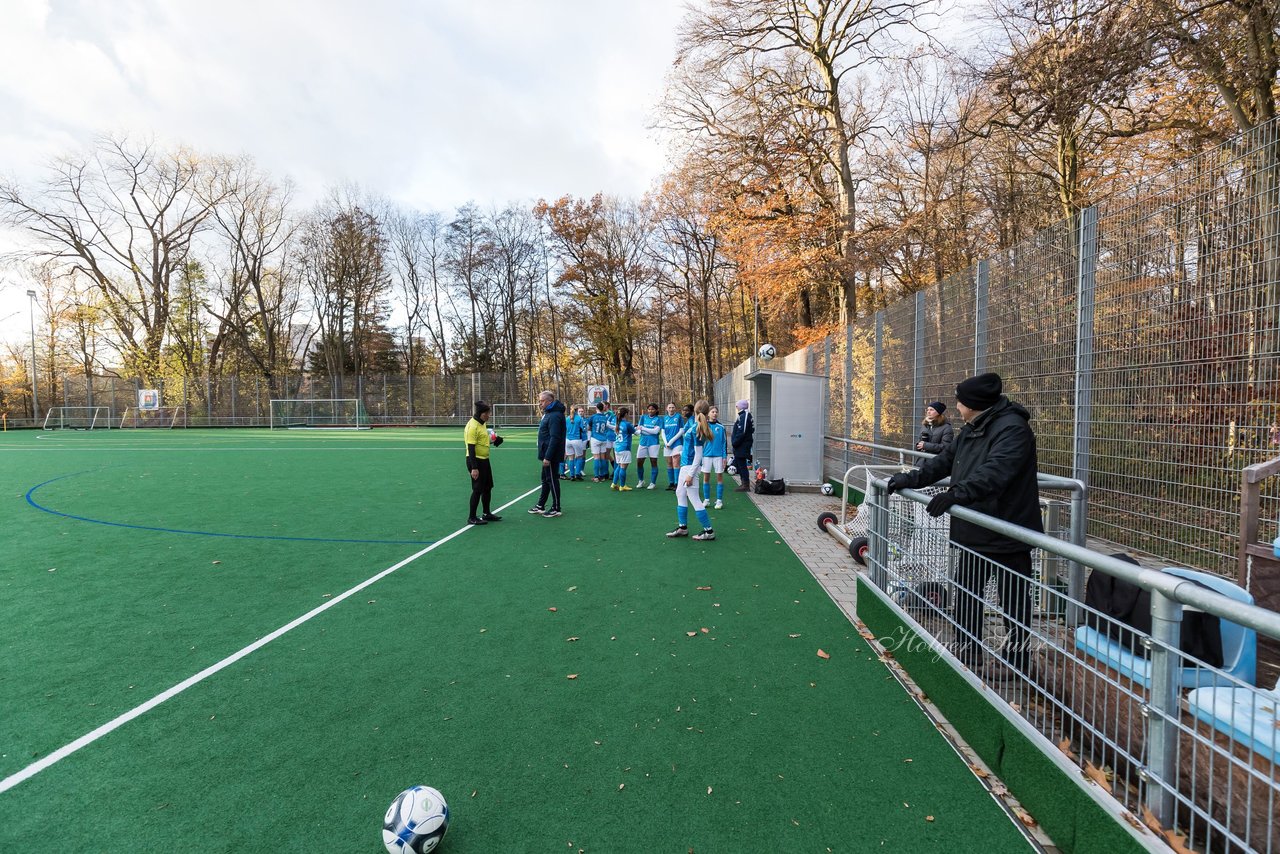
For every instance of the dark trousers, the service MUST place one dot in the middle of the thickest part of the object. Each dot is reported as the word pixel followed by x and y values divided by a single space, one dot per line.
pixel 550 486
pixel 740 461
pixel 482 486
pixel 1013 573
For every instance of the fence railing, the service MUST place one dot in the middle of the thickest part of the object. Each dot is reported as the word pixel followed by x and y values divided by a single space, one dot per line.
pixel 1166 718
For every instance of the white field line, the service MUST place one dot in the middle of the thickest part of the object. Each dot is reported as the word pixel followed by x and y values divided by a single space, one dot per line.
pixel 89 738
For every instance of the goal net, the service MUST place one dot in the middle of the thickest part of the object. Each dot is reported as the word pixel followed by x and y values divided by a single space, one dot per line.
pixel 515 415
pixel 330 414
pixel 163 416
pixel 77 418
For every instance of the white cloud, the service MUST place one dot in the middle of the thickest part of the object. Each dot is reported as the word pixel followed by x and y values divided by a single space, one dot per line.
pixel 431 102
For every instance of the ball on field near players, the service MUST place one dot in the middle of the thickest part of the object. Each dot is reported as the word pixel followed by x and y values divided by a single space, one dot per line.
pixel 416 821
pixel 732 469
pixel 826 489
pixel 767 352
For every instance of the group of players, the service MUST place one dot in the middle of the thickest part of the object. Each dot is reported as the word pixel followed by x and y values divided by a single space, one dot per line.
pixel 610 436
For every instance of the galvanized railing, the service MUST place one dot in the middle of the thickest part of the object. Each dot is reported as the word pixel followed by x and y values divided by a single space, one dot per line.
pixel 1187 746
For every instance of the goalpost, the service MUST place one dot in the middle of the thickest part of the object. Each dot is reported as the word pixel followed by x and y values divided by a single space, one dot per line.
pixel 316 413
pixel 77 418
pixel 515 415
pixel 160 416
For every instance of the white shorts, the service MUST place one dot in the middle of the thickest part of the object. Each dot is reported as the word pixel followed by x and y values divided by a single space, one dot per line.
pixel 647 452
pixel 622 458
pixel 574 447
pixel 674 450
pixel 599 447
pixel 713 465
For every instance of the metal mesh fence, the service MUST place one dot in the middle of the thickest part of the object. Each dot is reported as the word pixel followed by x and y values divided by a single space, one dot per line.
pixel 1143 336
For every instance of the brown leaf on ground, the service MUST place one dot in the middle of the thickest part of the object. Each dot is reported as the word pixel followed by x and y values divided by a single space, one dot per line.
pixel 692 634
pixel 1025 818
pixel 705 630
pixel 1065 747
pixel 572 676
pixel 571 639
pixel 823 654
pixel 928 818
pixel 552 608
pixel 979 772
pixel 703 588
pixel 1097 775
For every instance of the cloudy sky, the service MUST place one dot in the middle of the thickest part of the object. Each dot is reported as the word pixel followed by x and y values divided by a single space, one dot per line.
pixel 430 102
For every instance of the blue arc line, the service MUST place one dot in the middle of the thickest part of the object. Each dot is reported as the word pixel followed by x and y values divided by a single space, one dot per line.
pixel 41 507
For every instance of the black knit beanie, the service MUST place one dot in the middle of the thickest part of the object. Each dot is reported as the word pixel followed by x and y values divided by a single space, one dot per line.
pixel 938 406
pixel 981 392
pixel 481 407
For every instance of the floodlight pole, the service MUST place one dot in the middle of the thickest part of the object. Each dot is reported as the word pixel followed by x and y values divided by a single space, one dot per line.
pixel 35 403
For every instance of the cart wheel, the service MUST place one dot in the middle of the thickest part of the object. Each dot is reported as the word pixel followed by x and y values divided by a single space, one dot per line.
pixel 858 550
pixel 934 594
pixel 826 518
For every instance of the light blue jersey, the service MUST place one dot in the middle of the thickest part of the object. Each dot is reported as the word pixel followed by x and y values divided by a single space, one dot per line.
pixel 575 429
pixel 610 426
pixel 693 446
pixel 599 424
pixel 671 426
pixel 650 427
pixel 717 446
pixel 625 431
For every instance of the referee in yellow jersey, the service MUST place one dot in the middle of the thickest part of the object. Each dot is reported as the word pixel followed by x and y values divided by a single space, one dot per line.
pixel 476 436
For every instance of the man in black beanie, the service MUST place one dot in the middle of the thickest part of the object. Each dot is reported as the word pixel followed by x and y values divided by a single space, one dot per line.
pixel 992 466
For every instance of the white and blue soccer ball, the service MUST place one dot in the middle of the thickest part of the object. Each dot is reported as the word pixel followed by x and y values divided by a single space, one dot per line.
pixel 767 352
pixel 416 821
pixel 732 469
pixel 827 489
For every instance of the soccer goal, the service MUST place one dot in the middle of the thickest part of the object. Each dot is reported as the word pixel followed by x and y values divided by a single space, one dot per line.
pixel 515 415
pixel 164 416
pixel 322 414
pixel 77 418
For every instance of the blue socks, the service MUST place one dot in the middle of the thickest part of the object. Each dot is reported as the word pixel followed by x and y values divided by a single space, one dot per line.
pixel 682 515
pixel 704 519
pixel 720 491
pixel 640 471
pixel 653 473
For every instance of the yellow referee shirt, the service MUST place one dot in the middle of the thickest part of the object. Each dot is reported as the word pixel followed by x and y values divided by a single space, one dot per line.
pixel 476 434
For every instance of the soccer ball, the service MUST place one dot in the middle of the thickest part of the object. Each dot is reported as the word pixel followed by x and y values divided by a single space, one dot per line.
pixel 826 489
pixel 493 434
pixel 732 469
pixel 416 821
pixel 767 352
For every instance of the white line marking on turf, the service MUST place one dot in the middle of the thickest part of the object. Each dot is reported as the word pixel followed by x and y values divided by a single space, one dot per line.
pixel 89 738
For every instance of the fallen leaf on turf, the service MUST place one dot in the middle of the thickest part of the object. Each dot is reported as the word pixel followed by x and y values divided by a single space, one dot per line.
pixel 621 786
pixel 371 601
pixel 325 595
pixel 1025 818
pixel 822 654
pixel 705 630
pixel 572 676
pixel 704 588
pixel 573 588
pixel 551 608
pixel 571 639
pixel 216 562
pixel 928 818
pixel 1065 747
pixel 979 772
pixel 708 790
pixel 691 634
pixel 473 793
pixel 482 631
pixel 793 636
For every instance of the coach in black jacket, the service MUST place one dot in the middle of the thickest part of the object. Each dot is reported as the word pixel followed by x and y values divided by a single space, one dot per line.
pixel 550 452
pixel 744 429
pixel 992 466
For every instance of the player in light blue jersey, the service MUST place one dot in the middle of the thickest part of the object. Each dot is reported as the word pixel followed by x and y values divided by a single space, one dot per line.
pixel 624 431
pixel 713 459
pixel 575 443
pixel 649 428
pixel 672 433
pixel 598 429
pixel 696 436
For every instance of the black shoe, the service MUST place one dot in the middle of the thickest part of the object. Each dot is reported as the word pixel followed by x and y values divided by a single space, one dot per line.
pixel 474 521
pixel 491 517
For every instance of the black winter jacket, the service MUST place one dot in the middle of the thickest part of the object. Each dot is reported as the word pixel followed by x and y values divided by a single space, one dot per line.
pixel 551 433
pixel 936 437
pixel 992 466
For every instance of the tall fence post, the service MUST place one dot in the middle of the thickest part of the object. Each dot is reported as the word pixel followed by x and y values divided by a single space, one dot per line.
pixel 1160 773
pixel 848 390
pixel 917 378
pixel 1082 411
pixel 878 380
pixel 981 285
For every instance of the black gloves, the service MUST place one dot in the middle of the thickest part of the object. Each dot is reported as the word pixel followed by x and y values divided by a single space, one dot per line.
pixel 901 480
pixel 941 503
pixel 497 440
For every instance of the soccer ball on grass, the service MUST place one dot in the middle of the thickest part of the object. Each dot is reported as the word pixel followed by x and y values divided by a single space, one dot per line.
pixel 416 821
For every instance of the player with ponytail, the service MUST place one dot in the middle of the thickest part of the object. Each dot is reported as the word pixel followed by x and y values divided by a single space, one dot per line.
pixel 688 490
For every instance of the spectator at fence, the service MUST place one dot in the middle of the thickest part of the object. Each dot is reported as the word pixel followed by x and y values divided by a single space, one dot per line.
pixel 551 430
pixel 476 438
pixel 744 431
pixel 935 431
pixel 992 466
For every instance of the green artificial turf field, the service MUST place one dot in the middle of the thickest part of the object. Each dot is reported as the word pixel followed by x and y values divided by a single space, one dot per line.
pixel 580 683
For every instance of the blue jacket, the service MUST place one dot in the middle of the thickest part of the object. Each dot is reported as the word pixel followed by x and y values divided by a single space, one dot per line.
pixel 551 433
pixel 744 430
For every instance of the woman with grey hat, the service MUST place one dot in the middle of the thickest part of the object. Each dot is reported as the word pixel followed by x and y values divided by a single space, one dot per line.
pixel 935 431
